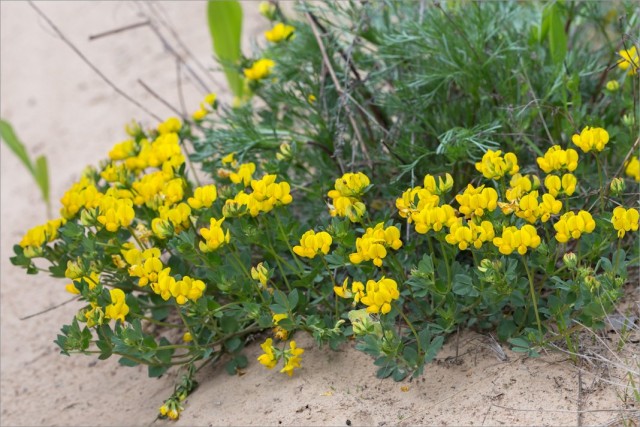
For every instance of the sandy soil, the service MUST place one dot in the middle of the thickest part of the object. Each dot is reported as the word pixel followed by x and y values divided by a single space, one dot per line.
pixel 61 108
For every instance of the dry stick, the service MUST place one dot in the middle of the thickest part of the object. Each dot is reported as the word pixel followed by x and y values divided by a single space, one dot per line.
pixel 171 50
pixel 161 99
pixel 174 33
pixel 118 30
pixel 46 310
pixel 90 64
pixel 332 73
pixel 180 91
pixel 579 404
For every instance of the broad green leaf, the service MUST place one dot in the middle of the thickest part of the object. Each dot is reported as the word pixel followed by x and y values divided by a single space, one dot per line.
pixel 225 26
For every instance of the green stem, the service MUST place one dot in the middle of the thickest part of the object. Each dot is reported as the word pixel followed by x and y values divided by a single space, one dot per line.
pixel 533 294
pixel 410 325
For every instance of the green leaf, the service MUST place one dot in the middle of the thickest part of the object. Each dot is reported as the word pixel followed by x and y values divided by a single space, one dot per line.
pixel 41 174
pixel 11 139
pixel 225 26
pixel 293 299
pixel 557 36
pixel 157 371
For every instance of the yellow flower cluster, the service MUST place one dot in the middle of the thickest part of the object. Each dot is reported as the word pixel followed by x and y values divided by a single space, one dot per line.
pixel 312 244
pixel 266 194
pixel 471 234
pixel 279 32
pixel 186 289
pixel 494 166
pixel 519 186
pixel 214 236
pixel 356 292
pixel 259 70
pixel 531 209
pixel 372 246
pixel 630 60
pixel 41 234
pixel 557 159
pixel 115 212
pixel 171 220
pixel 346 196
pixel 146 265
pixel 92 281
pixel 82 194
pixel 379 295
pixel 572 225
pixel 118 308
pixel 244 174
pixel 420 205
pixel 206 107
pixel 515 239
pixel 624 220
pixel 203 197
pixel 271 356
pixel 632 168
pixel 591 139
pixel 260 273
pixel 475 201
pixel 565 185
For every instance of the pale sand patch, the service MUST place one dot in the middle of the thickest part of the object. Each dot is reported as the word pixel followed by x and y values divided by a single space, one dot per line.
pixel 62 109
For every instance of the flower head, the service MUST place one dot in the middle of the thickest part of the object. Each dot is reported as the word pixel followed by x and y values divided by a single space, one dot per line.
pixel 629 60
pixel 515 239
pixel 572 225
pixel 260 69
pixel 279 32
pixel 494 166
pixel 312 243
pixel 624 220
pixel 591 139
pixel 556 159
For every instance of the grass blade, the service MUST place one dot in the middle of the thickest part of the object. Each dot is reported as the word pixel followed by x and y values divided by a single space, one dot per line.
pixel 225 26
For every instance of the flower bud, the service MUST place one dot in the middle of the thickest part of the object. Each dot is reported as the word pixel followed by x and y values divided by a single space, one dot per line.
pixel 570 260
pixel 89 217
pixel 628 120
pixel 267 9
pixel 285 152
pixel 612 85
pixel 161 228
pixel 617 186
pixel 485 265
pixel 73 271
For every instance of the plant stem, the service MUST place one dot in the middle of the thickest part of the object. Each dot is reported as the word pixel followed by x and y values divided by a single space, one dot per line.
pixel 533 293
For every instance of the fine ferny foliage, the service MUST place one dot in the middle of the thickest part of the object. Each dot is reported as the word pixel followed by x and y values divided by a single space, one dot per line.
pixel 393 172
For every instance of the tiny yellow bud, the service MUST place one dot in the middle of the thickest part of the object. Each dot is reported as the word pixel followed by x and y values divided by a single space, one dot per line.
pixel 612 85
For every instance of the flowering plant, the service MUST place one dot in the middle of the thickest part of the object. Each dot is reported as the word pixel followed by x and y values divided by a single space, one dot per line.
pixel 357 210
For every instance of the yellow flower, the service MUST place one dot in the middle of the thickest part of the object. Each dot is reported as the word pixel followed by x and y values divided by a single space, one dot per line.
pixel 549 206
pixel 260 273
pixel 629 61
pixel 572 226
pixel 566 185
pixel 494 166
pixel 164 283
pixel 612 85
pixel 145 265
pixel 279 33
pixel 199 114
pixel 230 160
pixel 171 125
pixel 379 295
pixel 92 281
pixel 292 358
pixel 591 139
pixel 632 168
pixel 558 159
pixel 372 245
pixel 521 185
pixel 187 289
pixel 624 220
pixel 244 174
pixel 440 188
pixel 118 308
pixel 187 337
pixel 115 213
pixel 203 197
pixel 414 200
pixel 528 207
pixel 259 70
pixel 41 234
pixel 123 150
pixel 210 99
pixel 214 236
pixel 311 99
pixel 471 234
pixel 346 196
pixel 517 239
pixel 269 358
pixel 312 243
pixel 475 201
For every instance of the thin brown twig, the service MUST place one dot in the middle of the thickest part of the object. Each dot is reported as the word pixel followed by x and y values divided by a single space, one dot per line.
pixel 161 99
pixel 336 82
pixel 89 63
pixel 118 30
pixel 46 310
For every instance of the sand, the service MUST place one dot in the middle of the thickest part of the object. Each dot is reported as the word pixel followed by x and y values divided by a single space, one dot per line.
pixel 62 109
